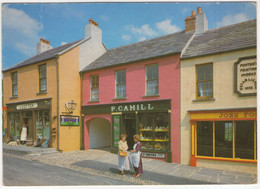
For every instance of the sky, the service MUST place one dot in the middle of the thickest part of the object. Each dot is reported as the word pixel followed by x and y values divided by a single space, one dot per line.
pixel 122 23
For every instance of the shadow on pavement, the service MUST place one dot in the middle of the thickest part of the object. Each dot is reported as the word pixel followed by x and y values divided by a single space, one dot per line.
pixel 148 175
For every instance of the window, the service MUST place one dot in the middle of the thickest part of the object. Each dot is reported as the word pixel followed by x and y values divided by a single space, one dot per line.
pixel 152 80
pixel 42 78
pixel 242 146
pixel 14 119
pixel 121 84
pixel 204 138
pixel 42 124
pixel 94 80
pixel 204 81
pixel 14 84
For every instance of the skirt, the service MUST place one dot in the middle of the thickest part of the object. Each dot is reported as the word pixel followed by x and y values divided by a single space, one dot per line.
pixel 24 134
pixel 123 163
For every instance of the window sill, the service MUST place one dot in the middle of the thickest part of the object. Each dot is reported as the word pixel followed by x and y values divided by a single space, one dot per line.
pixel 120 98
pixel 203 99
pixel 93 101
pixel 154 95
pixel 39 93
pixel 13 97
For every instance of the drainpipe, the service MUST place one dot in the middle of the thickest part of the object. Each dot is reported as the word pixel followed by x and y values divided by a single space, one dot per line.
pixel 58 114
pixel 82 146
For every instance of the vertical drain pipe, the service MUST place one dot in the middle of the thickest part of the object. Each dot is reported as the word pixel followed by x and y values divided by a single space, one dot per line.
pixel 58 114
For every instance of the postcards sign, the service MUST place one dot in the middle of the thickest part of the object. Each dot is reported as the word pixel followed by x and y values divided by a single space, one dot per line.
pixel 245 76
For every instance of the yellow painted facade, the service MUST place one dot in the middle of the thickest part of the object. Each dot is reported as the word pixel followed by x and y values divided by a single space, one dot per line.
pixel 223 98
pixel 69 89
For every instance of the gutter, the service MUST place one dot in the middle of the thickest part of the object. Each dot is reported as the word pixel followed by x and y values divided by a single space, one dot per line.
pixel 58 114
pixel 82 146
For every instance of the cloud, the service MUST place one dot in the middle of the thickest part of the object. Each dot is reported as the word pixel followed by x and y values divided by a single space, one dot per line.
pixel 126 37
pixel 20 31
pixel 144 30
pixel 142 39
pixel 166 27
pixel 63 43
pixel 232 19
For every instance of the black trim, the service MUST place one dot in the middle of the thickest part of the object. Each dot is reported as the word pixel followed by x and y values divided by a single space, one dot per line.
pixel 235 76
pixel 27 101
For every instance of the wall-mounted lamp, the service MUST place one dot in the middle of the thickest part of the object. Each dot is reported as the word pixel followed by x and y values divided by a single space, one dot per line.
pixel 71 106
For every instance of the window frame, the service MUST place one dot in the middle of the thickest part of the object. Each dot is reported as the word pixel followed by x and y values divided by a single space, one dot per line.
pixel 91 87
pixel 146 79
pixel 117 84
pixel 234 158
pixel 196 82
pixel 41 79
pixel 16 84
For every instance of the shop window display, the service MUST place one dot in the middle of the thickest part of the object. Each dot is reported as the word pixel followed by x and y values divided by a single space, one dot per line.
pixel 43 124
pixel 154 131
pixel 14 125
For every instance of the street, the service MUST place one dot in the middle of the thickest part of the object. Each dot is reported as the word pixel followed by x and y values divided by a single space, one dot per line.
pixel 19 172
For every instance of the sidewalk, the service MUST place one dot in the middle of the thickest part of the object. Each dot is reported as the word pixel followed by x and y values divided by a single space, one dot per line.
pixel 102 162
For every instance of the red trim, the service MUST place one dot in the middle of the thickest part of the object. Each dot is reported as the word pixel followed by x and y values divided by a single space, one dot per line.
pixel 234 160
pixel 228 119
pixel 193 161
pixel 4 108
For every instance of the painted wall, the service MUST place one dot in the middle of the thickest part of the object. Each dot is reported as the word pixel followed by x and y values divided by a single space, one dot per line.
pixel 99 133
pixel 223 92
pixel 69 89
pixel 169 88
pixel 28 87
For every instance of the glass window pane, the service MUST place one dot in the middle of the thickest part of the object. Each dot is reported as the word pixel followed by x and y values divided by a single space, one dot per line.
pixel 200 73
pixel 12 124
pixel 152 87
pixel 244 139
pixel 223 139
pixel 208 72
pixel 205 138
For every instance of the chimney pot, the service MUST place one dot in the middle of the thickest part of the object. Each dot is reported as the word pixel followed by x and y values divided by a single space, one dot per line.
pixel 91 21
pixel 43 45
pixel 193 13
pixel 199 10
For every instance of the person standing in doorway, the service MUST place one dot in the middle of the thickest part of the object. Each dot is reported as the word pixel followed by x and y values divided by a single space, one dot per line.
pixel 23 134
pixel 123 162
pixel 137 156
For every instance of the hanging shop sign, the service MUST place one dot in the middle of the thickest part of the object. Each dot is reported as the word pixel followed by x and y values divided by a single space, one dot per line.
pixel 26 106
pixel 116 130
pixel 153 155
pixel 66 120
pixel 245 76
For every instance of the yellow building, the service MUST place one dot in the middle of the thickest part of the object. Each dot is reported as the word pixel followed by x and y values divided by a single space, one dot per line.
pixel 43 92
pixel 218 99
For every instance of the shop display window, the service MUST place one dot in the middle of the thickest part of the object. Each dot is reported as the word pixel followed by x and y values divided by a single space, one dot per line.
pixel 15 125
pixel 205 138
pixel 43 124
pixel 154 131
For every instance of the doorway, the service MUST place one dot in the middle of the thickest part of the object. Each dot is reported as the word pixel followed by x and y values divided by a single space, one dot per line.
pixel 28 120
pixel 129 129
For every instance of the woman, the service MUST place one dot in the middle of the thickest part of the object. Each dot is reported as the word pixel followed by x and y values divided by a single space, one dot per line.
pixel 23 133
pixel 123 163
pixel 136 157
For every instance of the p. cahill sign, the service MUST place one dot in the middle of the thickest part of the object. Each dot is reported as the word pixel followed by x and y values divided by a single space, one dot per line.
pixel 245 76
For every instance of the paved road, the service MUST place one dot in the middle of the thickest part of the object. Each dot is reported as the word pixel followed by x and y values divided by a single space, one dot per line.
pixel 19 172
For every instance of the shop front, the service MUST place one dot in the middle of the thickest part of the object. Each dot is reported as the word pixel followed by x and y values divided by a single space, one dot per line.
pixel 150 119
pixel 35 114
pixel 224 135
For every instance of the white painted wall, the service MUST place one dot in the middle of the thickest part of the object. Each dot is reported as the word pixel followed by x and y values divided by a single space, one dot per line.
pixel 99 133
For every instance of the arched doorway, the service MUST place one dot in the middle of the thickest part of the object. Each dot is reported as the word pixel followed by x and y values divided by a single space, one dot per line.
pixel 99 133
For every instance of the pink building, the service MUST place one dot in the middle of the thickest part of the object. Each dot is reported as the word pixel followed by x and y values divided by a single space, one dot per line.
pixel 135 89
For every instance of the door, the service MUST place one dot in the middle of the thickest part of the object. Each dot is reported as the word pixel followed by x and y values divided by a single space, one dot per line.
pixel 130 129
pixel 28 120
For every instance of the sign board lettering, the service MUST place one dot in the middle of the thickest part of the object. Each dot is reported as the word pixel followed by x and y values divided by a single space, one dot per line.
pixel 26 106
pixel 245 76
pixel 153 155
pixel 66 120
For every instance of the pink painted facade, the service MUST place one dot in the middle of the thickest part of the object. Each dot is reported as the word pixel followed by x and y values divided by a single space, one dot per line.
pixel 169 88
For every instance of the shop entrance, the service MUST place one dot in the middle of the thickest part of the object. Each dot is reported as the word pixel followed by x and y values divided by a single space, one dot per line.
pixel 28 120
pixel 129 129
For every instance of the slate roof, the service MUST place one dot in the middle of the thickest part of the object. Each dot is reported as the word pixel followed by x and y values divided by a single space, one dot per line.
pixel 228 38
pixel 165 45
pixel 43 56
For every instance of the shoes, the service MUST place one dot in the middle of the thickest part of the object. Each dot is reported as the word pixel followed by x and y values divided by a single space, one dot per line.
pixel 122 172
pixel 138 175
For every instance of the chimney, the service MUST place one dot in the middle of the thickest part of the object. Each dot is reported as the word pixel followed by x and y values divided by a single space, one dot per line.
pixel 196 22
pixel 43 45
pixel 92 30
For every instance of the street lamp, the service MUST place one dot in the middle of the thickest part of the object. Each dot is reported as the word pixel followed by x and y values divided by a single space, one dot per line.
pixel 71 106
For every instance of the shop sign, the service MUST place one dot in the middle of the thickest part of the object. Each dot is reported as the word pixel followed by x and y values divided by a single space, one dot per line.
pixel 66 120
pixel 153 155
pixel 228 115
pixel 245 76
pixel 26 106
pixel 131 107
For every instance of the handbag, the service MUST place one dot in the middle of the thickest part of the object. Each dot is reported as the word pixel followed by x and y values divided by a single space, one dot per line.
pixel 122 154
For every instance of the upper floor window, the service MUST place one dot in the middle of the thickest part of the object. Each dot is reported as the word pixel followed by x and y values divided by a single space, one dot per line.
pixel 204 81
pixel 152 87
pixel 14 84
pixel 121 84
pixel 94 80
pixel 42 78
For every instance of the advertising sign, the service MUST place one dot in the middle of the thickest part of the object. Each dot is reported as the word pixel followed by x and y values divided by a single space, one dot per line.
pixel 67 120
